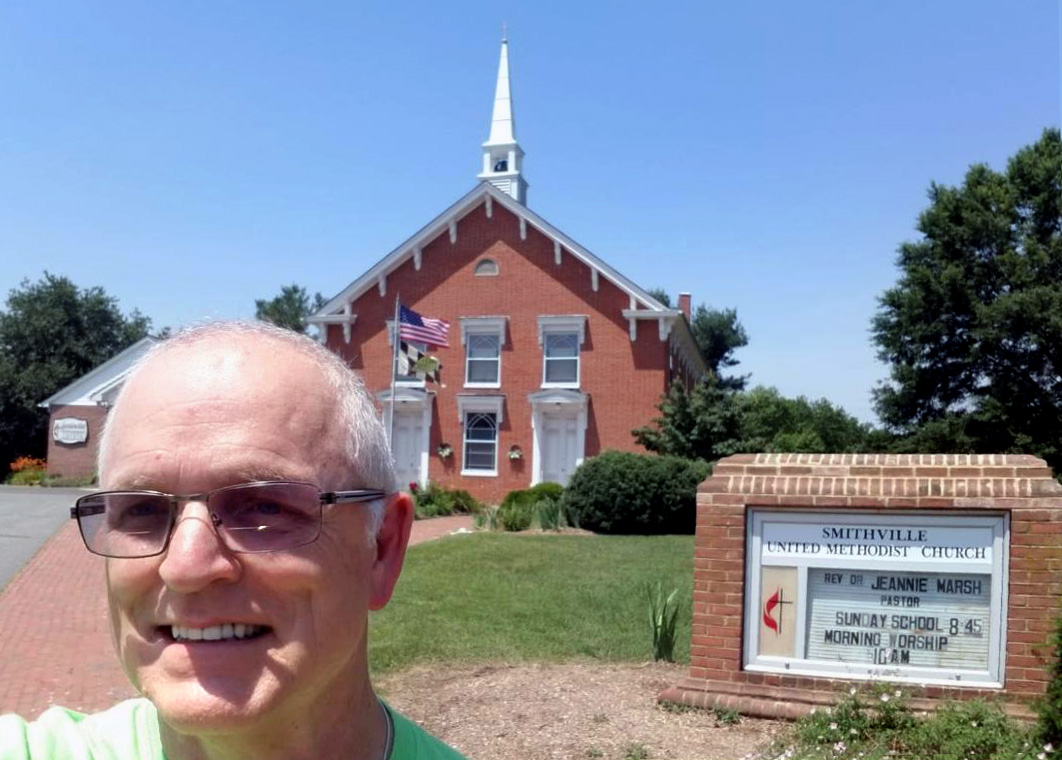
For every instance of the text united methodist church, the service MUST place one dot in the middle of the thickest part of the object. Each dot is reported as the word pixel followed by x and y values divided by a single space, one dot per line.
pixel 553 356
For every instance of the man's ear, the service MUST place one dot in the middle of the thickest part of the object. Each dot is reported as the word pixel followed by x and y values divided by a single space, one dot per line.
pixel 391 540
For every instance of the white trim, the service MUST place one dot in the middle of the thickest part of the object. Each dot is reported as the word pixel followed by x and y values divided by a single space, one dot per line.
pixel 99 379
pixel 523 228
pixel 569 323
pixel 593 279
pixel 381 283
pixel 557 256
pixel 486 403
pixel 481 405
pixel 481 325
pixel 462 207
pixel 415 399
pixel 494 326
pixel 453 231
pixel 665 319
pixel 490 207
pixel 418 256
pixel 571 401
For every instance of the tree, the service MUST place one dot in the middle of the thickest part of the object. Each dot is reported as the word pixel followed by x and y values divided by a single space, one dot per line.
pixel 973 328
pixel 771 422
pixel 51 333
pixel 290 309
pixel 718 334
pixel 701 423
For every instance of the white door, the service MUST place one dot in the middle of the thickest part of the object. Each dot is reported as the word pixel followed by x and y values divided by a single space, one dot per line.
pixel 407 447
pixel 557 447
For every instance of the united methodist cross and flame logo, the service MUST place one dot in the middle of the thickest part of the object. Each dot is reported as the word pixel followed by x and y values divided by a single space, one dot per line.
pixel 775 602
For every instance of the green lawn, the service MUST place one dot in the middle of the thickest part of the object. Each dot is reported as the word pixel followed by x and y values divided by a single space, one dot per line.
pixel 506 597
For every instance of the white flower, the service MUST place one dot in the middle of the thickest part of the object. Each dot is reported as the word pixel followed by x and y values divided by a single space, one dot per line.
pixel 973 723
pixel 852 691
pixel 884 697
pixel 897 694
pixel 1041 756
pixel 852 732
pixel 1049 747
pixel 833 726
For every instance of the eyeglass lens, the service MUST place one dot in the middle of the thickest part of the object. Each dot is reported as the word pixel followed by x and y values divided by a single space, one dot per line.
pixel 249 518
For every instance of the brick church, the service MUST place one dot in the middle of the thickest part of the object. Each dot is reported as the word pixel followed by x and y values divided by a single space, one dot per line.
pixel 553 355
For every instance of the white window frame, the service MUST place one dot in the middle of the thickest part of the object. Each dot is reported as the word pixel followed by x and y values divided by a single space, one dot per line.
pixel 493 326
pixel 567 324
pixel 469 405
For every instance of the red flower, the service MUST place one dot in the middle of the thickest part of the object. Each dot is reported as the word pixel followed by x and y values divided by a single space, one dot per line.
pixel 413 487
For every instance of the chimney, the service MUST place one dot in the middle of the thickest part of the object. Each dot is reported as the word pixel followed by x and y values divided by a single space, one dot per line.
pixel 684 305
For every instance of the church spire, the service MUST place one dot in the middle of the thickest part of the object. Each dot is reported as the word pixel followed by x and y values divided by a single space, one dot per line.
pixel 502 156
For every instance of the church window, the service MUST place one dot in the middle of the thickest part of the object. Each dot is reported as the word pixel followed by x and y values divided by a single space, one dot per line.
pixel 486 268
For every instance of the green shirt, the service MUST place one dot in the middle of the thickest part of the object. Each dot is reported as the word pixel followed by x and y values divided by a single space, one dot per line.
pixel 130 731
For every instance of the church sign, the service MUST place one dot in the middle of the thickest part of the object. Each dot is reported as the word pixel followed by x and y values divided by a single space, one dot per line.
pixel 899 596
pixel 70 430
pixel 815 571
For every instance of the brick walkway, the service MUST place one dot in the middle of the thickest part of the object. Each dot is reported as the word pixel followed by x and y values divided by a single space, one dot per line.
pixel 55 644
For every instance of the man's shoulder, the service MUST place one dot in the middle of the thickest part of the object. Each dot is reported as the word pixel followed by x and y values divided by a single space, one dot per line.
pixel 414 743
pixel 129 729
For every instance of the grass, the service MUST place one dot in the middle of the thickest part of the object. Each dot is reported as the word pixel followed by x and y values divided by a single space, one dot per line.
pixel 496 597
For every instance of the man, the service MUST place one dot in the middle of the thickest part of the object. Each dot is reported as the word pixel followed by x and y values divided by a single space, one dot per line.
pixel 239 606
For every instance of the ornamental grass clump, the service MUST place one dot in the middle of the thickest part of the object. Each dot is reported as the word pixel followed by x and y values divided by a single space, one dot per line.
pixel 663 616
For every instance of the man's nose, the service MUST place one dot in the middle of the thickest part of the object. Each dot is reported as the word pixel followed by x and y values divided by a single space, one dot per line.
pixel 196 556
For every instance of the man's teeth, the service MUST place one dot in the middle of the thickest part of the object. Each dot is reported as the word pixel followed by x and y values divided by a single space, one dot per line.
pixel 216 632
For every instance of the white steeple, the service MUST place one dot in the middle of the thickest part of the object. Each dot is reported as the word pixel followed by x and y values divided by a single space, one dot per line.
pixel 502 157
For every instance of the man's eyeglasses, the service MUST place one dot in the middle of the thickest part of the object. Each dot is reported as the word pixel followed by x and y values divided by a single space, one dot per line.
pixel 249 518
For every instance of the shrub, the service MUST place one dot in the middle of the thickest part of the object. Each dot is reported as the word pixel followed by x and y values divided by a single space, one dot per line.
pixel 62 481
pixel 28 463
pixel 515 514
pixel 547 490
pixel 548 514
pixel 1049 707
pixel 433 501
pixel 26 478
pixel 620 492
pixel 465 503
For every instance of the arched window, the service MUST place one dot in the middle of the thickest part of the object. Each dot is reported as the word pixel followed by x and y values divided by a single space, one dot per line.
pixel 486 268
pixel 481 442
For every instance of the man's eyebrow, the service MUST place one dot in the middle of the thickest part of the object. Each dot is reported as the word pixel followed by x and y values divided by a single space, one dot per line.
pixel 246 474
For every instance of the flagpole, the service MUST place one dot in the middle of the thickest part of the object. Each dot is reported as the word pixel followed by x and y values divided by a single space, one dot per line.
pixel 394 371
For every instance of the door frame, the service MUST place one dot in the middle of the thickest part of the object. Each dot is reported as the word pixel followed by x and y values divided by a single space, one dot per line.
pixel 411 400
pixel 564 401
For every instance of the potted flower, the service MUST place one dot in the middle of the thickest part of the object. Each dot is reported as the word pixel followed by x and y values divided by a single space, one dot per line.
pixel 445 450
pixel 515 452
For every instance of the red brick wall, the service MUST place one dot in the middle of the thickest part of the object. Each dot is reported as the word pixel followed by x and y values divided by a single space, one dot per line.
pixel 624 379
pixel 1021 485
pixel 78 459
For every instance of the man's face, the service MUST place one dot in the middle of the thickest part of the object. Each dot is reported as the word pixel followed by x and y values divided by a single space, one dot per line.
pixel 202 417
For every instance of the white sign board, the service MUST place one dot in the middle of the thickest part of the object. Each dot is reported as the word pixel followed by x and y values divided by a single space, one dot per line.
pixel 70 430
pixel 897 596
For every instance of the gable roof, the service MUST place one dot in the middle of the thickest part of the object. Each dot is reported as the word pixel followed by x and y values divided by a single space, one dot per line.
pixel 642 304
pixel 91 388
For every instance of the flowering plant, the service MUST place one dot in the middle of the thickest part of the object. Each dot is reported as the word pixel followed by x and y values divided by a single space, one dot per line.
pixel 515 452
pixel 445 450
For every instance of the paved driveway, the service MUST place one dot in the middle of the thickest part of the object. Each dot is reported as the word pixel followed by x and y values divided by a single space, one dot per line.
pixel 28 518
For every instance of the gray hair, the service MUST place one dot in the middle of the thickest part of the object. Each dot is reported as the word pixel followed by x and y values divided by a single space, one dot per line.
pixel 367 454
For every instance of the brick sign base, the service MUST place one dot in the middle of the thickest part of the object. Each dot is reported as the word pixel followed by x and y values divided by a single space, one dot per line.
pixel 1022 486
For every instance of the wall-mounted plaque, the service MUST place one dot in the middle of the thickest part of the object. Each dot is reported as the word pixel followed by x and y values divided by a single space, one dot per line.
pixel 914 597
pixel 70 430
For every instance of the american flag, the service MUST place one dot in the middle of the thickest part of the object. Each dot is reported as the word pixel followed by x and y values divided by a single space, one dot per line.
pixel 414 327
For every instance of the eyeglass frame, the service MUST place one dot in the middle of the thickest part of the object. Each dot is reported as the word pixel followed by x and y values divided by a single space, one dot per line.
pixel 324 497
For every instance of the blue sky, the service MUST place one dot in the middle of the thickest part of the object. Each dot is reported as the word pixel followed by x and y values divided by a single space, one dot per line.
pixel 770 157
